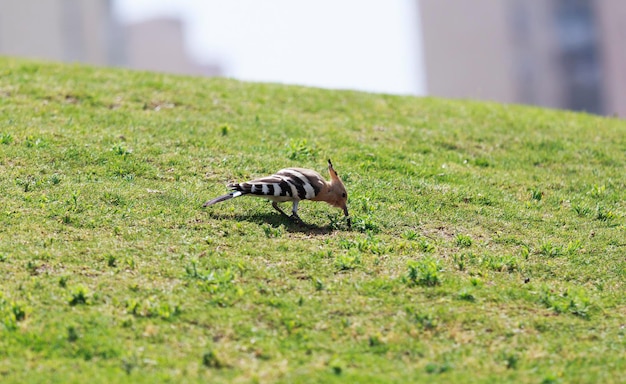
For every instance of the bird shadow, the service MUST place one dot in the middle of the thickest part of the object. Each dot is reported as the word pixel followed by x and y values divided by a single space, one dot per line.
pixel 275 221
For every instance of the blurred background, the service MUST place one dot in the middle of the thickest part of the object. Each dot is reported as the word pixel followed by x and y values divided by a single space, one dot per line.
pixel 568 54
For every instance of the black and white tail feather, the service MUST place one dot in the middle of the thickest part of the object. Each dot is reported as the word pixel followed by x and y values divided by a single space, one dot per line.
pixel 292 184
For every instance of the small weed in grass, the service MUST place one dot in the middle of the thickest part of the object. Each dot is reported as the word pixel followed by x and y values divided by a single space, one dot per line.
pixel 272 231
pixel 459 261
pixel 152 308
pixel 79 295
pixel 498 263
pixel 18 311
pixel 433 368
pixel 6 138
pixel 463 240
pixel 336 364
pixel 551 379
pixel 573 301
pixel 524 252
pixel 301 150
pixel 121 150
pixel 132 307
pixel 573 247
pixel 34 142
pixel 462 260
pixel 8 321
pixel 604 214
pixel 72 202
pixel 130 263
pixel 192 271
pixel 581 210
pixel 424 272
pixel 377 344
pixel 32 266
pixel 55 179
pixel 348 261
pixel 510 360
pixel 597 191
pixel 130 363
pixel 368 244
pixel 111 261
pixel 162 310
pixel 113 199
pixel 336 221
pixel 536 194
pixel 426 247
pixel 426 321
pixel 27 184
pixel 466 295
pixel 318 284
pixel 210 360
pixel 410 235
pixel 214 280
pixel 366 224
pixel 346 243
pixel 72 334
pixel 29 142
pixel 367 205
pixel 482 162
pixel 550 250
pixel 67 218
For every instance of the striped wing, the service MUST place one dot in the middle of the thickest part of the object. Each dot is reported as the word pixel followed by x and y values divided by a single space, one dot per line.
pixel 290 183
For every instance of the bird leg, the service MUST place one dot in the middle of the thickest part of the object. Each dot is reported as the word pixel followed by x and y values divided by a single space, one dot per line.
pixel 279 209
pixel 294 216
pixel 294 213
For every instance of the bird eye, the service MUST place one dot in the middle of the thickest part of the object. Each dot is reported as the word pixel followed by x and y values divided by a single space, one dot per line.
pixel 343 195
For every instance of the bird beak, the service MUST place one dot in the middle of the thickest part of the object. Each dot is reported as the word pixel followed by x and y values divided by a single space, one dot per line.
pixel 345 212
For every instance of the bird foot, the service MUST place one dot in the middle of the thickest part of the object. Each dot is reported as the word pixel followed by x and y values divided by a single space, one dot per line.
pixel 296 219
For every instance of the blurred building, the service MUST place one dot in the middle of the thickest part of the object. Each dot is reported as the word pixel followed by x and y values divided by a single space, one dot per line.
pixel 566 54
pixel 157 45
pixel 59 30
pixel 86 31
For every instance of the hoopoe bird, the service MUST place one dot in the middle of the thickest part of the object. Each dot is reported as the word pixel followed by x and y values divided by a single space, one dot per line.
pixel 293 184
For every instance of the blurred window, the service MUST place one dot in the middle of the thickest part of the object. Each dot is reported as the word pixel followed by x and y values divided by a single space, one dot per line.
pixel 578 55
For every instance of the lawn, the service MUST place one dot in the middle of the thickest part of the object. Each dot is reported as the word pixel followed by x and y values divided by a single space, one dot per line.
pixel 488 241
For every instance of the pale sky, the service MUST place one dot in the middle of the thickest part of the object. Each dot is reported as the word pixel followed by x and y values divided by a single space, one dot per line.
pixel 369 45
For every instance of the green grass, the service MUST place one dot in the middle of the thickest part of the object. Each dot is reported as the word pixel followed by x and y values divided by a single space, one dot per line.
pixel 488 241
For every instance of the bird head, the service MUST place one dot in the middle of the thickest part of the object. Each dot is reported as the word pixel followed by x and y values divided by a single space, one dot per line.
pixel 338 191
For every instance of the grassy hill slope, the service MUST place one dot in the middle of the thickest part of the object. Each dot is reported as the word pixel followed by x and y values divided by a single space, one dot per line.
pixel 488 241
